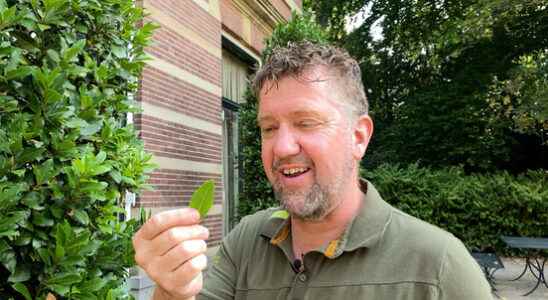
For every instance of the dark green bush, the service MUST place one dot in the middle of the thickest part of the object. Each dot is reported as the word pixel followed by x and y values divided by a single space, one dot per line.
pixel 67 70
pixel 256 193
pixel 476 208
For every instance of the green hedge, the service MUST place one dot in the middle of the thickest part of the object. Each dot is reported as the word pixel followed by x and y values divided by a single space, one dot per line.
pixel 67 156
pixel 476 208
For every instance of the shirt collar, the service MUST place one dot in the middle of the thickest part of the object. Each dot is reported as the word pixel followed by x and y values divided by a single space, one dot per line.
pixel 365 230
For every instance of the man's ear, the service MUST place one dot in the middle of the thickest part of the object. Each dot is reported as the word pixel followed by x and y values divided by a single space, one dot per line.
pixel 363 130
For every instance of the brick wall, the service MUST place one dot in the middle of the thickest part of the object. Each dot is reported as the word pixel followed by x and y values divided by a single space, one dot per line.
pixel 240 21
pixel 180 92
pixel 232 19
pixel 162 89
pixel 282 7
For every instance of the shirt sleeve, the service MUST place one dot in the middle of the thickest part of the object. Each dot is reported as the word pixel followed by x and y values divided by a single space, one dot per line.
pixel 220 280
pixel 461 277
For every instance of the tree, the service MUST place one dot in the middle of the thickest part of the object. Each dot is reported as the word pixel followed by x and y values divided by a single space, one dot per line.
pixel 67 156
pixel 436 74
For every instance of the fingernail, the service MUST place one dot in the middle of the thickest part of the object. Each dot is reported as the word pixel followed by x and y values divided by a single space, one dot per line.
pixel 194 213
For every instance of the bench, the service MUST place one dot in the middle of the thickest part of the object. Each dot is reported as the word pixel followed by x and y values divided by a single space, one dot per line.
pixel 535 259
pixel 489 263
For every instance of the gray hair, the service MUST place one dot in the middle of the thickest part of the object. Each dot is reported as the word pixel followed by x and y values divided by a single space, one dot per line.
pixel 296 58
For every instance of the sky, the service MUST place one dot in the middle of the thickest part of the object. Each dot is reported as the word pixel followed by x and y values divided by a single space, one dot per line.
pixel 355 21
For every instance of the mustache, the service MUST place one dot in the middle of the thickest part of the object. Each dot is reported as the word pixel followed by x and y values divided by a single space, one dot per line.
pixel 277 163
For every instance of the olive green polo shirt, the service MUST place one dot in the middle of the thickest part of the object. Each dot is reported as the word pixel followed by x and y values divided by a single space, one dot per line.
pixel 383 254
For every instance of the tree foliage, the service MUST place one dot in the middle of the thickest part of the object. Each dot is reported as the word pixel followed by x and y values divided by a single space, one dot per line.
pixel 451 82
pixel 67 70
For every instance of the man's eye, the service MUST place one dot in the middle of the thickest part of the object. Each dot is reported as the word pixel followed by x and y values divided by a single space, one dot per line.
pixel 307 124
pixel 267 129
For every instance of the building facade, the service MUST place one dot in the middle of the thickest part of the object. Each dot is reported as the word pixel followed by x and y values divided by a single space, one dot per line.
pixel 190 92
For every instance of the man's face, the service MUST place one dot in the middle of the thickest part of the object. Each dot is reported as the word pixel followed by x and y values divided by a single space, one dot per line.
pixel 307 143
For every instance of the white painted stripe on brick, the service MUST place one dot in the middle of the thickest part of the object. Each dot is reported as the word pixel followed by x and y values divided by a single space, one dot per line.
pixel 215 9
pixel 179 118
pixel 184 75
pixel 246 29
pixel 216 209
pixel 203 4
pixel 189 34
pixel 187 165
pixel 210 8
pixel 293 6
pixel 240 45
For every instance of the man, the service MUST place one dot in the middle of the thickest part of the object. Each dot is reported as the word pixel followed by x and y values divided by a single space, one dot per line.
pixel 339 240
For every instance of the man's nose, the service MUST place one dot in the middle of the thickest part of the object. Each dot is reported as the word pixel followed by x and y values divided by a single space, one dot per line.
pixel 286 143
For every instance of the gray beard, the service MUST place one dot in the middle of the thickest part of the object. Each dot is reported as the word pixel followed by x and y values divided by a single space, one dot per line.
pixel 318 202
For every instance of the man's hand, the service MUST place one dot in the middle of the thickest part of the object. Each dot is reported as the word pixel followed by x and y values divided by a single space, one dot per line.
pixel 171 248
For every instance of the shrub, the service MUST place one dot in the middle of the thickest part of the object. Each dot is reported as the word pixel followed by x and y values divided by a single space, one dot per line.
pixel 67 69
pixel 256 193
pixel 476 208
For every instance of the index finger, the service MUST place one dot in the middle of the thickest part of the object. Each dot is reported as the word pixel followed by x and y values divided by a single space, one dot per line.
pixel 162 221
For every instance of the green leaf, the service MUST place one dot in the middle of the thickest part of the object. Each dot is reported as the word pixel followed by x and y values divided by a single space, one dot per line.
pixel 202 198
pixel 64 278
pixel 128 180
pixel 59 252
pixel 29 154
pixel 280 214
pixel 8 17
pixel 76 123
pixel 93 187
pixel 101 156
pixel 44 256
pixel 53 55
pixel 105 228
pixel 44 172
pixel 40 219
pixel 81 216
pixel 116 175
pixel 22 273
pixel 77 71
pixel 91 128
pixel 22 289
pixel 19 73
pixel 10 195
pixel 97 170
pixel 93 285
pixel 8 104
pixel 119 52
pixel 43 27
pixel 33 200
pixel 23 239
pixel 71 53
pixel 9 224
pixel 7 256
pixel 19 173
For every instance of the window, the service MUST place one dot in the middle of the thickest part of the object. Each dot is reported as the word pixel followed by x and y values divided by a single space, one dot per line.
pixel 236 72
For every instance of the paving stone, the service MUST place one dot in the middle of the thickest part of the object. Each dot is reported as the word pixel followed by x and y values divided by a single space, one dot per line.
pixel 514 290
